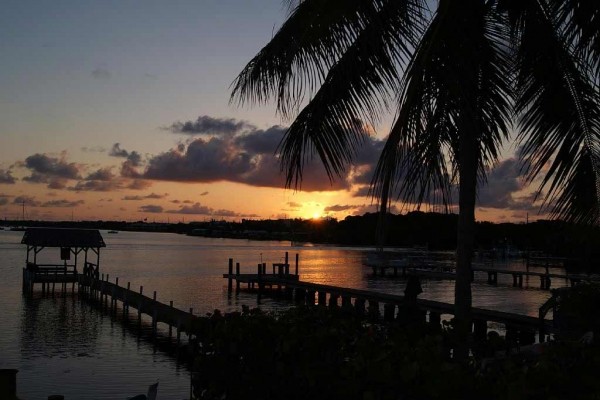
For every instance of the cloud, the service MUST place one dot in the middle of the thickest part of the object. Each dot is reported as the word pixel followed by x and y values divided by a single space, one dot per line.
pixel 27 200
pixel 62 203
pixel 151 208
pixel 51 170
pixel 199 209
pixel 101 73
pixel 339 207
pixel 134 158
pixel 502 190
pixel 93 149
pixel 6 177
pixel 149 196
pixel 293 204
pixel 246 158
pixel 102 174
pixel 206 125
pixel 203 193
pixel 195 209
pixel 4 199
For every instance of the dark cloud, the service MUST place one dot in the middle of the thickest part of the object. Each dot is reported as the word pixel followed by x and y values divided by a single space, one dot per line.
pixel 293 204
pixel 211 126
pixel 247 159
pixel 101 73
pixel 51 170
pixel 203 193
pixel 62 203
pixel 339 207
pixel 199 209
pixel 156 196
pixel 6 177
pixel 151 208
pixel 138 184
pixel 504 182
pixel 134 158
pixel 195 209
pixel 97 186
pixel 149 196
pixel 4 199
pixel 27 200
pixel 102 174
pixel 93 149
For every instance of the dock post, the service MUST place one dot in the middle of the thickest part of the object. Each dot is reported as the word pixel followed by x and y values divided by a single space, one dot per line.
pixel 389 311
pixel 435 319
pixel 300 295
pixel 237 277
pixel 140 308
pixel 322 298
pixel 154 315
pixel 170 325
pixel 359 305
pixel 333 300
pixel 296 264
pixel 346 303
pixel 229 278
pixel 310 298
pixel 189 328
pixel 373 309
pixel 479 330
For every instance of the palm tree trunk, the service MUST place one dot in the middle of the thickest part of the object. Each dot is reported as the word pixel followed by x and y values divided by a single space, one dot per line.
pixel 467 166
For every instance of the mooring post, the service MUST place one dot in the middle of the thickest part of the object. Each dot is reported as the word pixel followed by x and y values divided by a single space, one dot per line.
pixel 154 314
pixel 296 263
pixel 310 298
pixel 322 298
pixel 189 328
pixel 170 325
pixel 237 277
pixel 389 311
pixel 230 278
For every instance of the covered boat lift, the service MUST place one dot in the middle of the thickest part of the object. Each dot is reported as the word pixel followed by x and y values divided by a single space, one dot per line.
pixel 71 243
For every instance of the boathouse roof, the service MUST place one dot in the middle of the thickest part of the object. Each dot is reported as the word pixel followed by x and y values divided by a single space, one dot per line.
pixel 63 237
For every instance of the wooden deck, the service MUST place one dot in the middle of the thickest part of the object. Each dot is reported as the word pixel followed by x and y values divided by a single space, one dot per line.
pixel 523 327
pixel 443 271
pixel 111 293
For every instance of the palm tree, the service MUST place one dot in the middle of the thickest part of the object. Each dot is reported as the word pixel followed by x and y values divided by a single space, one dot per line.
pixel 458 78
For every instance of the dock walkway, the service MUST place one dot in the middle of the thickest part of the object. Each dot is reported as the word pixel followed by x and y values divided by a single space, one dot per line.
pixel 445 271
pixel 370 303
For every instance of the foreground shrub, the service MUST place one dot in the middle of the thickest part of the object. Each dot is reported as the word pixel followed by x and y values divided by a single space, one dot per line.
pixel 317 353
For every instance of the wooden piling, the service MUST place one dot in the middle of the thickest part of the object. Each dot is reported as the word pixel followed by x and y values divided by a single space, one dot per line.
pixel 389 311
pixel 230 280
pixel 322 298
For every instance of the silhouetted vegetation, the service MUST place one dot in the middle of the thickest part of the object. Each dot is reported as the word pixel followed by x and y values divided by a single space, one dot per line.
pixel 317 353
pixel 436 231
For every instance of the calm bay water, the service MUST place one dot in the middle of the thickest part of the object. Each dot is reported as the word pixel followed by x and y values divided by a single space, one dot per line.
pixel 64 346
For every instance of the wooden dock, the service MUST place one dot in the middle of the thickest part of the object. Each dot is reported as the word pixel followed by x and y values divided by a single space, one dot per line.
pixel 110 294
pixel 521 328
pixel 444 271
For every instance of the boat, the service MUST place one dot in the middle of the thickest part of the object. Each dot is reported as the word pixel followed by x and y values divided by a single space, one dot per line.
pixel 113 231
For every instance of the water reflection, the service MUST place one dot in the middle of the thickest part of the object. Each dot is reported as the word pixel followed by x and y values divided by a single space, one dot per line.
pixel 59 326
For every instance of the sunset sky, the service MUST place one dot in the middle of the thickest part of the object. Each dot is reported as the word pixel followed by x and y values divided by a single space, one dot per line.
pixel 120 110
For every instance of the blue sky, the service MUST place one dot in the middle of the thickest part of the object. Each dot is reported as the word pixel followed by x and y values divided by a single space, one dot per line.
pixel 92 94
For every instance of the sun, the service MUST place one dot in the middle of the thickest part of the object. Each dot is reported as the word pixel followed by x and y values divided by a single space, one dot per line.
pixel 316 215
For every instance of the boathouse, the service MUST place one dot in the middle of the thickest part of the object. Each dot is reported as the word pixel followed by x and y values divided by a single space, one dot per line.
pixel 71 246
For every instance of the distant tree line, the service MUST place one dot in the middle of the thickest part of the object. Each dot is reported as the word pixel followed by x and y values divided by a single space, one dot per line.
pixel 436 231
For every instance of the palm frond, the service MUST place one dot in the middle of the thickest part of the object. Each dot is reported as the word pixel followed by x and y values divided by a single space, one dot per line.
pixel 355 88
pixel 296 60
pixel 559 117
pixel 457 84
